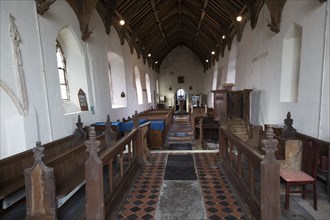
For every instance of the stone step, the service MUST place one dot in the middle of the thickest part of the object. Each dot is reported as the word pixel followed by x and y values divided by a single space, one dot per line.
pixel 188 132
pixel 238 129
pixel 175 138
pixel 181 129
pixel 234 122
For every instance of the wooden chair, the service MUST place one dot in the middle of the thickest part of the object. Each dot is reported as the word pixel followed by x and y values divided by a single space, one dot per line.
pixel 308 174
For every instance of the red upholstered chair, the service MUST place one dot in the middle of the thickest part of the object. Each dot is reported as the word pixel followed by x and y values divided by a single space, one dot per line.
pixel 308 174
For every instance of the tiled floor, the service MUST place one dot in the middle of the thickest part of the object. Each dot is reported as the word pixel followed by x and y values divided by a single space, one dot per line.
pixel 219 200
pixel 141 203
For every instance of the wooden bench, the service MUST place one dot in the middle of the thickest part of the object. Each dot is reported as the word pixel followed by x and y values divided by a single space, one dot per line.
pixel 12 168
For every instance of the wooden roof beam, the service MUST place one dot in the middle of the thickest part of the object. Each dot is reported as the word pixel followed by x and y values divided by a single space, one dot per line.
pixel 201 19
pixel 43 6
pixel 275 8
pixel 159 22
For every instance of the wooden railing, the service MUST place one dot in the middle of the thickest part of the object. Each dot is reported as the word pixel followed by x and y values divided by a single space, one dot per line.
pixel 122 161
pixel 255 176
pixel 108 169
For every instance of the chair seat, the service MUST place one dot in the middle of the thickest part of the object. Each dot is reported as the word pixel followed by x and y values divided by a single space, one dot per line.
pixel 291 175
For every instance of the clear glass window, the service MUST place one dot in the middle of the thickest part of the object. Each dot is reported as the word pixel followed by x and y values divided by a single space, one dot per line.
pixel 61 65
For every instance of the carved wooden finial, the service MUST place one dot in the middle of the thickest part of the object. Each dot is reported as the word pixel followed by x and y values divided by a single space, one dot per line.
pixel 92 144
pixel 79 124
pixel 108 124
pixel 38 151
pixel 288 131
pixel 288 121
pixel 92 134
pixel 80 134
pixel 270 143
pixel 110 135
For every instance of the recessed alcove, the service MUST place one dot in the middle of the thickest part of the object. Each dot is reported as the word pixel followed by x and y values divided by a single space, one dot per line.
pixel 291 55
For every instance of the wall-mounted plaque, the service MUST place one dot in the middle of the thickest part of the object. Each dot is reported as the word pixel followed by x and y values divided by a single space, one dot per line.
pixel 180 79
pixel 82 100
pixel 162 98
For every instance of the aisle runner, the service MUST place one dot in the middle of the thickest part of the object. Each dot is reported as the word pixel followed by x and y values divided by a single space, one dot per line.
pixel 187 146
pixel 180 195
pixel 180 167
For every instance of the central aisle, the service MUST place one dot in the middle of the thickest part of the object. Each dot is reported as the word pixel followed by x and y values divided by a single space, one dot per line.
pixel 202 191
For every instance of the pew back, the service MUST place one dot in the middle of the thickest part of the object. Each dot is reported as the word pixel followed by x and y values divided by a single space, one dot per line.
pixel 12 168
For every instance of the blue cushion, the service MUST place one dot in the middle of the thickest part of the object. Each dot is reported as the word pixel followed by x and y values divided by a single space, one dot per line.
pixel 157 125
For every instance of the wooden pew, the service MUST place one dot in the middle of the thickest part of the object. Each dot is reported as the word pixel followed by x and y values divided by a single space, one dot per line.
pixel 68 170
pixel 12 168
pixel 157 137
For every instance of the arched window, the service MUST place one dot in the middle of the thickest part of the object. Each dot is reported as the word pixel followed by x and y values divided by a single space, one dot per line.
pixel 71 70
pixel 138 85
pixel 116 71
pixel 61 66
pixel 148 88
pixel 157 88
pixel 110 81
pixel 214 85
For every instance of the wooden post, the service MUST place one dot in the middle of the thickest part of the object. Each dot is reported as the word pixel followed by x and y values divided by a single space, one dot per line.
pixel 222 144
pixel 270 179
pixel 201 133
pixel 40 188
pixel 138 142
pixel 94 180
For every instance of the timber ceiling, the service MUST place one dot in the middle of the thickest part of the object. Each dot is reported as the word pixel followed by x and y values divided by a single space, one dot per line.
pixel 156 27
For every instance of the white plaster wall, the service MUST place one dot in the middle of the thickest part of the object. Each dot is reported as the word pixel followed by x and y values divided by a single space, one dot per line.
pixel 129 61
pixel 59 15
pixel 46 119
pixel 264 75
pixel 19 133
pixel 180 62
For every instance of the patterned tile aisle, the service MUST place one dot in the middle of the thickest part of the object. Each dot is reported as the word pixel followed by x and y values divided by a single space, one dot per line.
pixel 219 200
pixel 141 203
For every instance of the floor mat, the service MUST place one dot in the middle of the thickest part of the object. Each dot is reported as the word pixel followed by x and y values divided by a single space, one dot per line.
pixel 186 146
pixel 180 167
